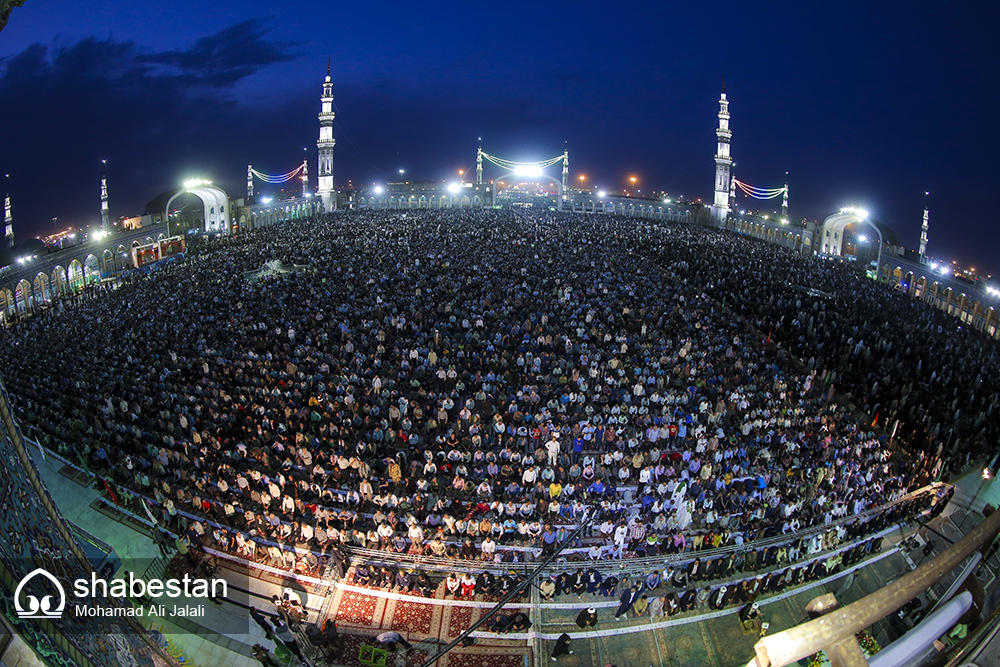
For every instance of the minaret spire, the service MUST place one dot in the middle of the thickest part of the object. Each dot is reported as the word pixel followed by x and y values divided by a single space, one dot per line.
pixel 565 173
pixel 923 232
pixel 723 162
pixel 250 183
pixel 479 163
pixel 305 178
pixel 8 223
pixel 784 200
pixel 325 145
pixel 105 211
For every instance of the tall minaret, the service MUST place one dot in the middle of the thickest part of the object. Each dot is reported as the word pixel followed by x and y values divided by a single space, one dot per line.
pixel 8 223
pixel 105 213
pixel 250 183
pixel 305 178
pixel 923 233
pixel 723 162
pixel 784 200
pixel 325 146
pixel 565 173
pixel 479 166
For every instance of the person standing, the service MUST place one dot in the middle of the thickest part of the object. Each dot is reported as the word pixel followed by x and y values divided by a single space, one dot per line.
pixel 562 647
pixel 262 621
pixel 628 599
pixel 163 540
pixel 283 633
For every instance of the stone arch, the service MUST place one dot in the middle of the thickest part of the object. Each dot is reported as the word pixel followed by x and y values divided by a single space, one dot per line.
pixel 466 201
pixel 948 299
pixel 23 296
pixel 992 322
pixel 213 198
pixel 960 306
pixel 108 260
pixel 76 275
pixel 91 269
pixel 40 288
pixel 7 303
pixel 59 283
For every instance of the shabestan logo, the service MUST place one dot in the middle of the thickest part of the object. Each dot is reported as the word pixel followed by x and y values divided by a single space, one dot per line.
pixel 35 608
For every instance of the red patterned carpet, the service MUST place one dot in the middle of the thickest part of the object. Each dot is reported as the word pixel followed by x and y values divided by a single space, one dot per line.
pixel 427 626
pixel 485 658
pixel 357 608
pixel 412 617
pixel 349 654
pixel 461 619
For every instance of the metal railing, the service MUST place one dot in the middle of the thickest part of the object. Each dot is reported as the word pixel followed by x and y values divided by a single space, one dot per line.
pixel 834 632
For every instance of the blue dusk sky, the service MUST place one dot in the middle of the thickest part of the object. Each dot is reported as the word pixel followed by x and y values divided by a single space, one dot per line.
pixel 863 104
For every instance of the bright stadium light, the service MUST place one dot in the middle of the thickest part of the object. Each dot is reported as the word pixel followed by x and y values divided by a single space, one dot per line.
pixel 528 170
pixel 453 188
pixel 378 189
pixel 602 193
pixel 196 182
pixel 98 235
pixel 266 200
pixel 863 238
pixel 860 212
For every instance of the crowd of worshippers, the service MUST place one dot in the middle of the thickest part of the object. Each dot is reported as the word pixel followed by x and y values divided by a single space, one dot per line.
pixel 680 587
pixel 896 358
pixel 464 383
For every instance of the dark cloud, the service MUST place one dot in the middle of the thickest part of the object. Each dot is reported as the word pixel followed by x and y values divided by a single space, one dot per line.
pixel 222 59
pixel 154 116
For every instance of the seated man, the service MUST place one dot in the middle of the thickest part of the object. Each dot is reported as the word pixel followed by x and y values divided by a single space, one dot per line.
pixel 520 623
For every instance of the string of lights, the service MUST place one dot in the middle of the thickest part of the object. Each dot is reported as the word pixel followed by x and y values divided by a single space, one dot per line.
pixel 283 178
pixel 510 165
pixel 760 193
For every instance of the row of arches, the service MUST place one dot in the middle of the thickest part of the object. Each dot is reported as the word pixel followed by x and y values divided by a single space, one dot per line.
pixel 796 239
pixel 629 208
pixel 29 295
pixel 968 308
pixel 33 292
pixel 267 215
pixel 418 202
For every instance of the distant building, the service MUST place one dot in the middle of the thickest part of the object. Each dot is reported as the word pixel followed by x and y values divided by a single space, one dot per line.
pixel 423 194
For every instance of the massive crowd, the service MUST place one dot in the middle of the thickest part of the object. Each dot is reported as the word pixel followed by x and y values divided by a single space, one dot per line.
pixel 474 384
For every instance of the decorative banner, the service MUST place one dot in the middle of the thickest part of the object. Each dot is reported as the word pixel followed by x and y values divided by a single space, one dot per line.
pixel 760 193
pixel 274 180
pixel 510 165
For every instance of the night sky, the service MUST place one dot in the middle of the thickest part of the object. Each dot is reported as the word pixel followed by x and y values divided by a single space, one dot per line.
pixel 865 104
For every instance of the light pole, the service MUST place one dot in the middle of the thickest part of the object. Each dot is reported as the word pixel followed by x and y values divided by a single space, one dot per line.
pixel 633 185
pixel 582 177
pixel 401 174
